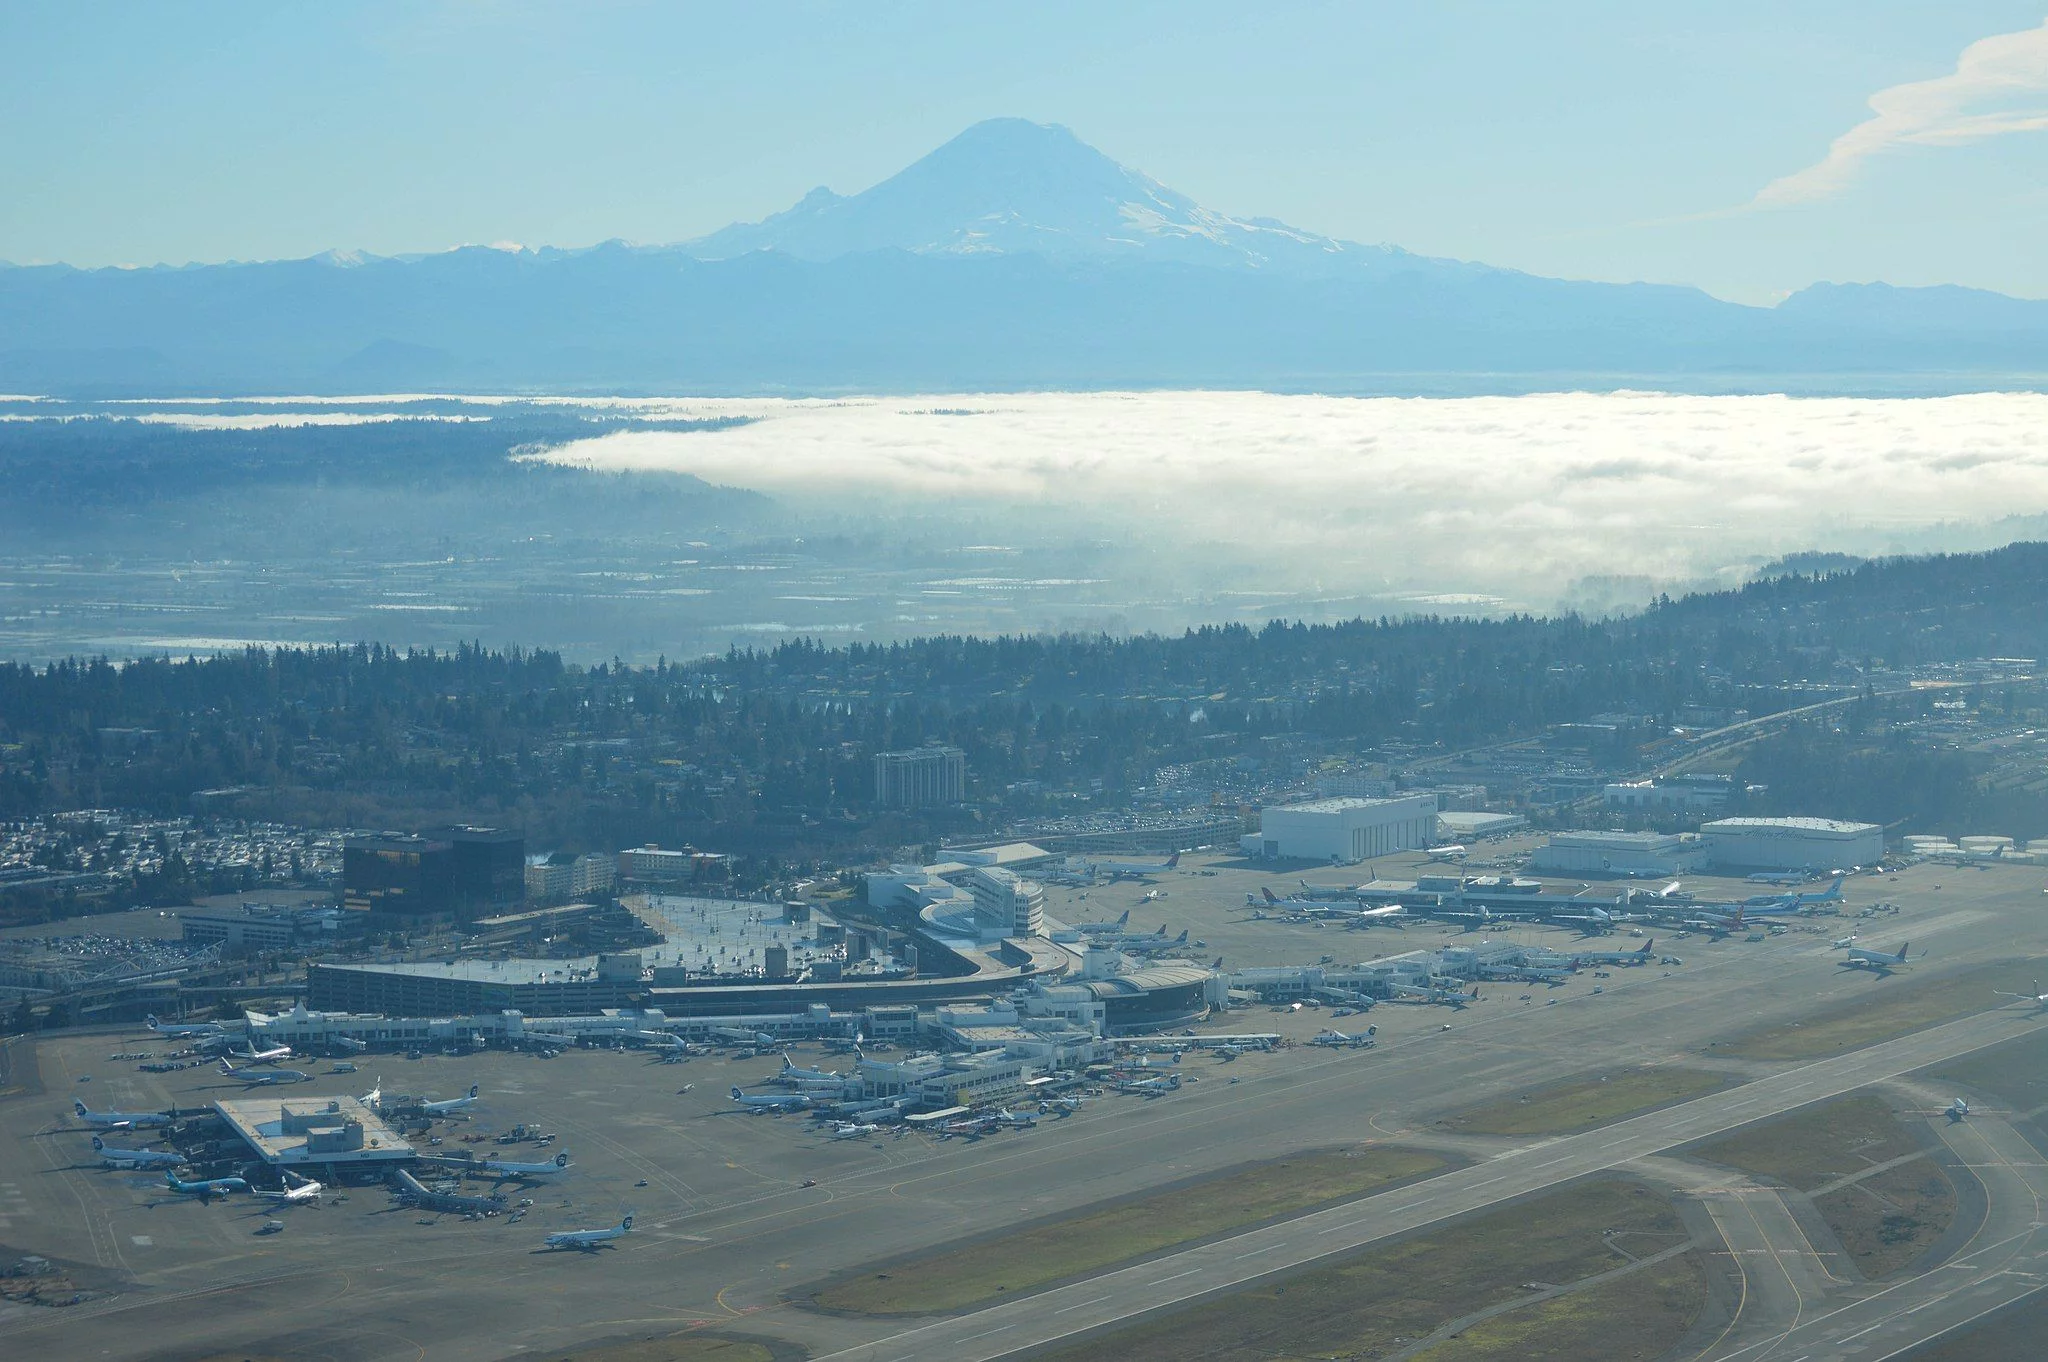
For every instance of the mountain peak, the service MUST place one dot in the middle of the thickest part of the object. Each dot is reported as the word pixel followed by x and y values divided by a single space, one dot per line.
pixel 1012 186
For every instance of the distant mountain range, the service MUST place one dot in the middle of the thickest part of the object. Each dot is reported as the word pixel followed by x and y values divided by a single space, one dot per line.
pixel 1014 256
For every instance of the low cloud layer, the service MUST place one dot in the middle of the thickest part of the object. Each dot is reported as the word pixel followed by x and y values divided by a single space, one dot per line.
pixel 1507 497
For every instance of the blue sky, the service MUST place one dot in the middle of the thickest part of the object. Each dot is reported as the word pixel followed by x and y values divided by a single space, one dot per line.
pixel 1592 140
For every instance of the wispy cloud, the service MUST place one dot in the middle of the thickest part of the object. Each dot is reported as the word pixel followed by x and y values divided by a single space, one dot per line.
pixel 1999 87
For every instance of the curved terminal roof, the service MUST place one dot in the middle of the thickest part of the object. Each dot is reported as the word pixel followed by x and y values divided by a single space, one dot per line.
pixel 1145 981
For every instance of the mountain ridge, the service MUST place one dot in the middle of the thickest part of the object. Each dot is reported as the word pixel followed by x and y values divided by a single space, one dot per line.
pixel 1014 255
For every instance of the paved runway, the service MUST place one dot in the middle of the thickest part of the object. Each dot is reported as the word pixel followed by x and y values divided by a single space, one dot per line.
pixel 1181 1277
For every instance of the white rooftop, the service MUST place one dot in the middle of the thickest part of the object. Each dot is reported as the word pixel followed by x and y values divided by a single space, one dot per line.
pixel 1834 825
pixel 262 1121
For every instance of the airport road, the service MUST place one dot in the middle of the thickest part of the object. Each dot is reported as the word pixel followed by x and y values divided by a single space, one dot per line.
pixel 1182 1277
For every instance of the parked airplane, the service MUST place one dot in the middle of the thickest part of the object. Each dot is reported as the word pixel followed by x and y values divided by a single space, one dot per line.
pixel 854 1130
pixel 1764 903
pixel 442 1108
pixel 265 1079
pixel 1860 958
pixel 1337 1039
pixel 1435 993
pixel 1065 1106
pixel 1779 877
pixel 123 1120
pixel 1150 1087
pixel 206 1190
pixel 1136 870
pixel 249 1054
pixel 778 1101
pixel 500 1168
pixel 1842 943
pixel 588 1240
pixel 740 1035
pixel 1452 853
pixel 183 1030
pixel 1639 956
pixel 297 1191
pixel 1105 928
pixel 135 1158
pixel 348 1045
pixel 2037 997
pixel 791 1073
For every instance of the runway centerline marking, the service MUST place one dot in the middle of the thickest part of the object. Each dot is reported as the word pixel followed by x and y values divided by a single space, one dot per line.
pixel 1078 1305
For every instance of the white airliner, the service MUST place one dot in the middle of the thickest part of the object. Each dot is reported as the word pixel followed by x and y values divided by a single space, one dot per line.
pixel 588 1239
pixel 1860 958
pixel 252 1055
pixel 135 1158
pixel 123 1120
pixel 2037 997
pixel 207 1190
pixel 265 1079
pixel 779 1101
pixel 854 1130
pixel 297 1190
pixel 183 1030
pixel 1845 942
pixel 461 1103
pixel 1150 1087
pixel 791 1072
pixel 526 1170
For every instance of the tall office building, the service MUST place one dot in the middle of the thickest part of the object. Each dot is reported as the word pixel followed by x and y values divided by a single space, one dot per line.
pixel 922 778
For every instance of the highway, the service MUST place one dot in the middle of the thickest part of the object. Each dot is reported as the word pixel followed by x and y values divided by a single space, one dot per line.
pixel 1181 1277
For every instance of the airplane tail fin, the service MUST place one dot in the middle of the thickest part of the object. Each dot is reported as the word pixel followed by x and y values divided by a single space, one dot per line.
pixel 562 1159
pixel 98 1144
pixel 1182 937
pixel 473 1089
pixel 1173 861
pixel 1644 949
pixel 736 1093
pixel 1125 919
pixel 78 1106
pixel 1268 893
pixel 1904 946
pixel 625 1222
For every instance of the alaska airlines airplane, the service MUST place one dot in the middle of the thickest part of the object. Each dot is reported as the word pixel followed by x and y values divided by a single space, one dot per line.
pixel 135 1158
pixel 123 1120
pixel 588 1239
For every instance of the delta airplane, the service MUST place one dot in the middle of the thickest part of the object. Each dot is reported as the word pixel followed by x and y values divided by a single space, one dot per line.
pixel 123 1120
pixel 265 1079
pixel 780 1101
pixel 588 1240
pixel 1641 955
pixel 135 1158
pixel 183 1030
pixel 207 1190
pixel 1136 870
pixel 1860 958
pixel 297 1191
pixel 2037 998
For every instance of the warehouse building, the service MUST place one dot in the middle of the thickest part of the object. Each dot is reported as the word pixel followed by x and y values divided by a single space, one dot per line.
pixel 1817 844
pixel 1345 830
pixel 1620 853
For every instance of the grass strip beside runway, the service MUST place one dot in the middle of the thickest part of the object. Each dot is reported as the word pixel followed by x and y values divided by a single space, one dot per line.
pixel 1092 1240
pixel 1386 1300
pixel 1585 1102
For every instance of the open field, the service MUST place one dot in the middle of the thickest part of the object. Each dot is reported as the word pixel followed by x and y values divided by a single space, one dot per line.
pixel 1380 1301
pixel 1585 1102
pixel 1900 1008
pixel 1885 1219
pixel 1072 1246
